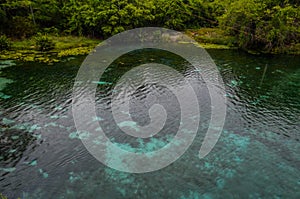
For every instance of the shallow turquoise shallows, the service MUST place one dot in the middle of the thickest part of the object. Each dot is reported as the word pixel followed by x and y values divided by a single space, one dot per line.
pixel 257 155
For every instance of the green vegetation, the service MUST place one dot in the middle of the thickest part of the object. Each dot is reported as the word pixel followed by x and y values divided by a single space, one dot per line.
pixel 62 46
pixel 4 43
pixel 213 38
pixel 43 43
pixel 269 26
pixel 264 25
pixel 2 196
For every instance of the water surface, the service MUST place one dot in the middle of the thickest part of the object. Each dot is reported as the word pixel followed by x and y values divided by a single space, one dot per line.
pixel 257 155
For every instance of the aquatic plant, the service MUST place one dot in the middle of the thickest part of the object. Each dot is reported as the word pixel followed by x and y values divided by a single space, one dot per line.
pixel 2 196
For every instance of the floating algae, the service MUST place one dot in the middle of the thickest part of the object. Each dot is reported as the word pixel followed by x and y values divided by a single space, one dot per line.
pixel 236 145
pixel 15 137
pixel 33 128
pixel 51 124
pixel 145 147
pixel 101 83
pixel 33 163
pixel 37 136
pixel 26 127
pixel 12 150
pixel 97 119
pixel 8 169
pixel 44 174
pixel 121 177
pixel 73 135
pixel 58 116
pixel 130 124
pixel 234 83
pixel 79 135
pixel 58 108
pixel 74 177
pixel 6 121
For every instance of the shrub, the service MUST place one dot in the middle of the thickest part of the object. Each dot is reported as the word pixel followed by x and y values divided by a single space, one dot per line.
pixel 4 43
pixel 21 28
pixel 43 43
pixel 52 31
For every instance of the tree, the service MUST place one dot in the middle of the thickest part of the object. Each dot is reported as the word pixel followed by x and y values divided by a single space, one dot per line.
pixel 265 25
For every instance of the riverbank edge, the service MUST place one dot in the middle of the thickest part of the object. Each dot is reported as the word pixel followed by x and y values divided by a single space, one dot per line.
pixel 216 38
pixel 65 46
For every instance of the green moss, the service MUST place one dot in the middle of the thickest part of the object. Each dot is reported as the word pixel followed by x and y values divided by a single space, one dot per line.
pixel 69 42
pixel 212 38
pixel 75 51
pixel 28 44
pixel 26 50
pixel 293 49
pixel 214 46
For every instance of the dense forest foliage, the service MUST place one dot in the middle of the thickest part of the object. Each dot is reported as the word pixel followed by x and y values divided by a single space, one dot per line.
pixel 256 24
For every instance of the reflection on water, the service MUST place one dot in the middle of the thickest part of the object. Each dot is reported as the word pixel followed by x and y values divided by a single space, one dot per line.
pixel 256 156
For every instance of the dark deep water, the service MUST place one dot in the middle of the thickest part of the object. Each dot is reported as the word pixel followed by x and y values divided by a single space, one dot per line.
pixel 257 156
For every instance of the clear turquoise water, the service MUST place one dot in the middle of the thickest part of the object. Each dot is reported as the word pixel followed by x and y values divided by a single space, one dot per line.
pixel 257 156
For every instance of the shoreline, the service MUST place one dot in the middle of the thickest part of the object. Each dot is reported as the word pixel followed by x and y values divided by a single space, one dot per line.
pixel 65 46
